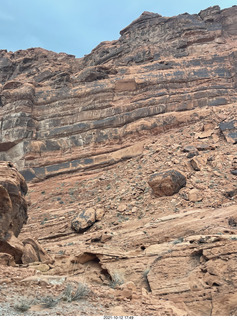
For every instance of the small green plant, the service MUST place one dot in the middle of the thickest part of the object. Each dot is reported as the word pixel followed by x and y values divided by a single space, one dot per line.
pixel 43 221
pixel 22 306
pixel 116 280
pixel 81 291
pixel 61 252
pixel 179 240
pixel 49 302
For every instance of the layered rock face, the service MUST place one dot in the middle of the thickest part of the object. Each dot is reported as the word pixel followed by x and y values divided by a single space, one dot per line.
pixel 13 212
pixel 63 114
pixel 156 234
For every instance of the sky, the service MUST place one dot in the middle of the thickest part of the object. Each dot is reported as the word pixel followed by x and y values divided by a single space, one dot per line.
pixel 78 26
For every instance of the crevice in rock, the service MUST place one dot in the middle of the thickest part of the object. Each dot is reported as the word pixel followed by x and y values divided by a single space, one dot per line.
pixel 145 277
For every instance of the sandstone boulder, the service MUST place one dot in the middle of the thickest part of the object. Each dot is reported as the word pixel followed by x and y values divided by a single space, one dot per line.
pixel 13 214
pixel 100 212
pixel 234 164
pixel 167 183
pixel 229 130
pixel 84 220
pixel 33 252
pixel 195 195
pixel 198 162
pixel 6 260
pixel 189 148
pixel 12 246
pixel 13 209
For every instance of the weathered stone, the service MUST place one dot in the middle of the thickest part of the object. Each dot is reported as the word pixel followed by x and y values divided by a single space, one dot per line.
pixel 94 73
pixel 100 212
pixel 190 155
pixel 84 220
pixel 204 134
pixel 189 149
pixel 13 210
pixel 195 195
pixel 234 164
pixel 7 259
pixel 230 193
pixel 234 172
pixel 33 251
pixel 229 129
pixel 204 146
pixel 5 212
pixel 47 279
pixel 167 183
pixel 125 85
pixel 198 162
pixel 29 255
pixel 122 207
pixel 42 267
pixel 12 246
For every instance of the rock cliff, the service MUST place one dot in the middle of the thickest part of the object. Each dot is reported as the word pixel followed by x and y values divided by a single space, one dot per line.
pixel 63 114
pixel 130 157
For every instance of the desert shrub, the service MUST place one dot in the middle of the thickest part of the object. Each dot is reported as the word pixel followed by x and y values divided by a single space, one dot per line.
pixel 116 279
pixel 49 302
pixel 22 306
pixel 81 291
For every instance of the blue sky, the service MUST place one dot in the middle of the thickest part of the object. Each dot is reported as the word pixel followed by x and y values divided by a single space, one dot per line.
pixel 77 26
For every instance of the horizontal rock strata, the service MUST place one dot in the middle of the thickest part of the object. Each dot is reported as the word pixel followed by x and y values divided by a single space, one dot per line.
pixel 59 113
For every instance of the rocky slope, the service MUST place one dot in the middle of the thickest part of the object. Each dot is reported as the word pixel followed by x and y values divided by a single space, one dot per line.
pixel 161 98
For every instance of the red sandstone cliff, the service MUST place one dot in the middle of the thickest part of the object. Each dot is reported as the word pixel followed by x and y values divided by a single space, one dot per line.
pixel 61 114
pixel 136 114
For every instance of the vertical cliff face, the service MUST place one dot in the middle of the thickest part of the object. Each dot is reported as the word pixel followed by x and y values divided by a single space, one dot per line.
pixel 61 114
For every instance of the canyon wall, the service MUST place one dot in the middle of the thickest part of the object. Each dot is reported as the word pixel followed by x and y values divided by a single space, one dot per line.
pixel 62 114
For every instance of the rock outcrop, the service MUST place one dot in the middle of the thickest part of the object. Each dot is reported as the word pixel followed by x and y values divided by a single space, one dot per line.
pixel 162 99
pixel 13 189
pixel 13 215
pixel 61 114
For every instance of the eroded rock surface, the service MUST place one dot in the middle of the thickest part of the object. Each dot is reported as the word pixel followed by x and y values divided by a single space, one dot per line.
pixel 13 215
pixel 13 189
pixel 161 98
pixel 62 114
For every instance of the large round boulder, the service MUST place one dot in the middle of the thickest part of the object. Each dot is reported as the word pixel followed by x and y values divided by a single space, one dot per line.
pixel 167 183
pixel 84 220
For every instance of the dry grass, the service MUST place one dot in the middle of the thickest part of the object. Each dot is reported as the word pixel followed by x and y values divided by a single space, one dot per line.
pixel 81 291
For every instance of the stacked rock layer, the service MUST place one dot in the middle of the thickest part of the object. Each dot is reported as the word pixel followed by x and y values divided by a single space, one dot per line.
pixel 63 114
